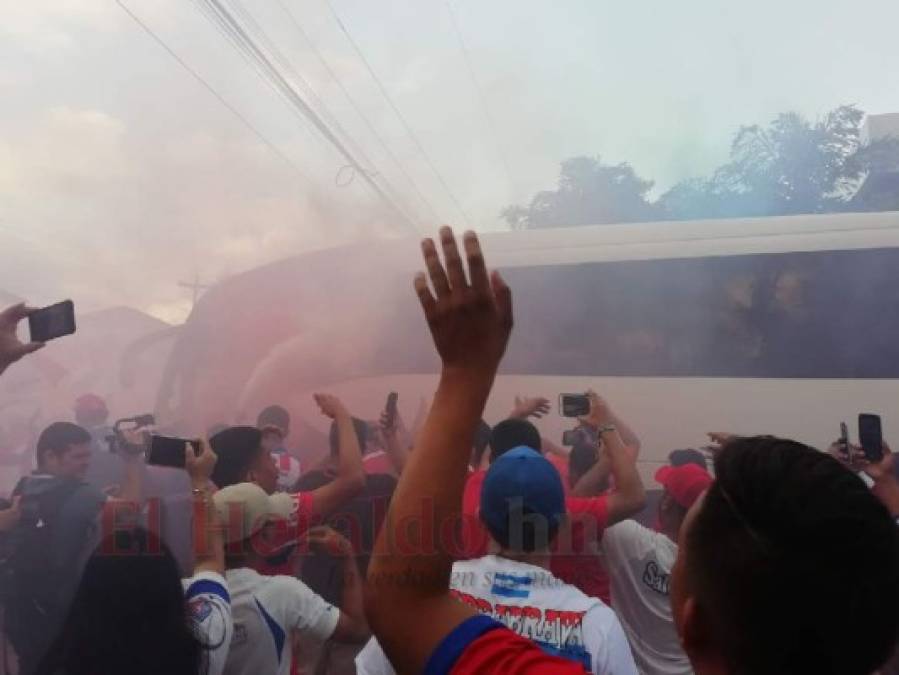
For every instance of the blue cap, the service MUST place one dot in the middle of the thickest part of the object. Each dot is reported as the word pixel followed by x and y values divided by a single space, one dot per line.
pixel 520 482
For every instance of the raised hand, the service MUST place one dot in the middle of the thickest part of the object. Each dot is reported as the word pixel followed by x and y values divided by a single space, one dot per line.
pixel 600 412
pixel 470 319
pixel 331 406
pixel 11 347
pixel 199 467
pixel 328 540
pixel 535 406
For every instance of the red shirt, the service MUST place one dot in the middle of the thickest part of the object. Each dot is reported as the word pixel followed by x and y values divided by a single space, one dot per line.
pixel 481 645
pixel 575 558
pixel 299 522
pixel 473 535
pixel 377 462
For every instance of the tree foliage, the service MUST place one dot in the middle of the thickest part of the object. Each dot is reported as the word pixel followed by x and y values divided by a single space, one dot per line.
pixel 589 193
pixel 792 165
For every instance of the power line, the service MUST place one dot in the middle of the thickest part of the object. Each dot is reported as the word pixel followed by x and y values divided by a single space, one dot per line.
pixel 211 90
pixel 261 36
pixel 384 146
pixel 481 97
pixel 396 111
pixel 300 105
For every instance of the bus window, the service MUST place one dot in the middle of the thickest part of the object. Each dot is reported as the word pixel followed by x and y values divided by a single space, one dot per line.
pixel 830 314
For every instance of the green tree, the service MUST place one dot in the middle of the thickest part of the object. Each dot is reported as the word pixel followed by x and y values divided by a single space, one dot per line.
pixel 791 166
pixel 589 193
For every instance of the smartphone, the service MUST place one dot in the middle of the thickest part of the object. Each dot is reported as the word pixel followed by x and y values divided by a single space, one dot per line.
pixel 167 451
pixel 52 322
pixel 870 436
pixel 844 439
pixel 570 437
pixel 574 405
pixel 390 408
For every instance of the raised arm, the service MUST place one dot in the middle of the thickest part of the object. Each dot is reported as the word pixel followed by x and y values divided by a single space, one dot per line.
pixel 408 602
pixel 629 496
pixel 351 626
pixel 350 478
pixel 593 482
pixel 209 545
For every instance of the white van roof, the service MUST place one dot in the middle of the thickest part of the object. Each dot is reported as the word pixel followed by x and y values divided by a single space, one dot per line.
pixel 690 239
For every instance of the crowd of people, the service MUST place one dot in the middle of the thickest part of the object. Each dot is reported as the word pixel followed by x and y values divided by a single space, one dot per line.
pixel 455 546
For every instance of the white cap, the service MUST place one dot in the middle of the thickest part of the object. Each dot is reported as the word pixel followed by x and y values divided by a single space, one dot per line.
pixel 245 508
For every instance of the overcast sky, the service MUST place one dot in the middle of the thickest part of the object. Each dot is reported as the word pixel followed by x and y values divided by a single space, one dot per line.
pixel 120 175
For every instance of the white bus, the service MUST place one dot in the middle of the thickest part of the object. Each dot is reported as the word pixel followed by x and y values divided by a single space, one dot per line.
pixel 783 325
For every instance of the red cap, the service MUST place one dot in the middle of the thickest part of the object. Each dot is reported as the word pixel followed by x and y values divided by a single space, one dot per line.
pixel 89 402
pixel 684 483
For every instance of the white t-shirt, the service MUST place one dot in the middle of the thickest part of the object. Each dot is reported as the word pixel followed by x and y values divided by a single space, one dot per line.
pixel 266 611
pixel 639 561
pixel 209 607
pixel 536 605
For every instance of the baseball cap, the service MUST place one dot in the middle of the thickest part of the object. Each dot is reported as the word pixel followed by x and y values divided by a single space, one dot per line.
pixel 245 508
pixel 518 483
pixel 684 483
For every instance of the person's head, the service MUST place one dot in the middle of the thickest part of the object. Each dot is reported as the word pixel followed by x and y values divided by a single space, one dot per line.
pixel 91 411
pixel 361 429
pixel 242 459
pixel 64 449
pixel 249 518
pixel 581 459
pixel 522 502
pixel 275 415
pixel 513 433
pixel 682 485
pixel 787 564
pixel 128 614
pixel 272 437
pixel 688 456
pixel 479 445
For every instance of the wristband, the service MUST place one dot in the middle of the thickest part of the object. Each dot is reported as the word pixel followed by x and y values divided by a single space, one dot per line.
pixel 604 428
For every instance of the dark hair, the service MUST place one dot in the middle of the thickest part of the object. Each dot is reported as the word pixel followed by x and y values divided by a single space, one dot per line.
pixel 688 456
pixel 512 433
pixel 786 538
pixel 59 437
pixel 479 445
pixel 524 531
pixel 128 614
pixel 361 429
pixel 583 455
pixel 274 415
pixel 237 448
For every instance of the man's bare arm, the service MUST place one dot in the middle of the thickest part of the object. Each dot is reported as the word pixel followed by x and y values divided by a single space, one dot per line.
pixel 350 478
pixel 470 324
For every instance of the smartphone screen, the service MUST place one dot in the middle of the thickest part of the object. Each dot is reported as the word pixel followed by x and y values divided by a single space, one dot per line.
pixel 167 451
pixel 574 405
pixel 52 322
pixel 870 436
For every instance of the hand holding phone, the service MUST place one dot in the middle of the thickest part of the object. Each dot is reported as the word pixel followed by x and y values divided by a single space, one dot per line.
pixel 574 405
pixel 11 348
pixel 167 451
pixel 55 321
pixel 870 436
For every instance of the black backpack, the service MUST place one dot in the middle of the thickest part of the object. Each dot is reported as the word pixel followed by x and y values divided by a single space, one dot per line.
pixel 41 561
